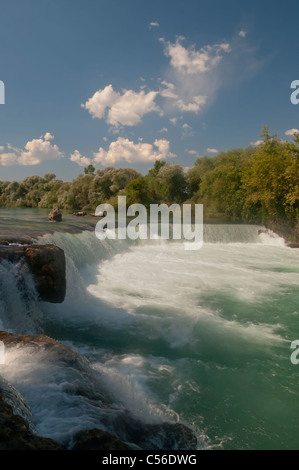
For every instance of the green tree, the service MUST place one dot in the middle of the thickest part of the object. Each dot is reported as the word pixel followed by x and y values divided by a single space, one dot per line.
pixel 89 170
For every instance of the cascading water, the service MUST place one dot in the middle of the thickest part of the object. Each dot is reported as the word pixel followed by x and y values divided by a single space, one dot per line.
pixel 197 336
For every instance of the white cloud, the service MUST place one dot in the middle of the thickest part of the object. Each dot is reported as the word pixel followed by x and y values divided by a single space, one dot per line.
pixel 242 33
pixel 76 157
pixel 8 159
pixel 192 61
pixel 193 152
pixel 164 129
pixel 48 136
pixel 193 76
pixel 186 168
pixel 212 150
pixel 196 74
pixel 173 120
pixel 186 126
pixel 125 109
pixel 125 150
pixel 35 152
pixel 195 106
pixel 292 132
pixel 154 24
pixel 256 143
pixel 168 90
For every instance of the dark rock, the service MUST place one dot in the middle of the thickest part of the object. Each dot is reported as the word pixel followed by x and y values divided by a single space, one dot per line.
pixel 287 230
pixel 54 348
pixel 124 429
pixel 11 253
pixel 16 435
pixel 47 264
pixel 10 395
pixel 293 244
pixel 95 439
pixel 15 432
pixel 164 435
pixel 79 214
pixel 17 240
pixel 55 215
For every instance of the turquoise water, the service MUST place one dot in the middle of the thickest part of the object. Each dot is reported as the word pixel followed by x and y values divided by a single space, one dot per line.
pixel 201 337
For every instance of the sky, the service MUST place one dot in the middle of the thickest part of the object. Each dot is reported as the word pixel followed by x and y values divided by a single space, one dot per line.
pixel 126 82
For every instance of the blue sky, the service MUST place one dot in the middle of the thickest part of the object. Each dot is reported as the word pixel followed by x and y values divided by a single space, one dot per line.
pixel 124 82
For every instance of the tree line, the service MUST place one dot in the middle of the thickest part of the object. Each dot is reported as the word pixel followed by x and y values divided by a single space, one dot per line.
pixel 256 184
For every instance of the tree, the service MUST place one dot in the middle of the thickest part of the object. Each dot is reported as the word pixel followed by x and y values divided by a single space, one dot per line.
pixel 89 170
pixel 172 183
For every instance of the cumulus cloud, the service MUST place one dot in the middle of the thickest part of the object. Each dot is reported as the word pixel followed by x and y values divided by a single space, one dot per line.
pixel 292 132
pixel 126 108
pixel 192 78
pixel 242 33
pixel 48 136
pixel 196 74
pixel 126 150
pixel 35 152
pixel 81 160
pixel 8 159
pixel 192 61
pixel 212 150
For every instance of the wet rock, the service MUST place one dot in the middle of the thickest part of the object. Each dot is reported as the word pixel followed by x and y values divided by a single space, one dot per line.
pixel 96 439
pixel 123 429
pixel 15 432
pixel 293 244
pixel 55 215
pixel 54 348
pixel 46 263
pixel 16 435
pixel 79 214
pixel 12 396
pixel 164 435
pixel 17 240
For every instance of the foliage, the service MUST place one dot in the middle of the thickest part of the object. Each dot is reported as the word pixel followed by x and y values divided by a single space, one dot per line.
pixel 256 184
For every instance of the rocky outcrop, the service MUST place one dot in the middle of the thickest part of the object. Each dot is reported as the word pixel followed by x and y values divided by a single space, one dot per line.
pixel 46 263
pixel 55 215
pixel 79 214
pixel 20 240
pixel 96 439
pixel 287 230
pixel 15 432
pixel 125 430
pixel 16 435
